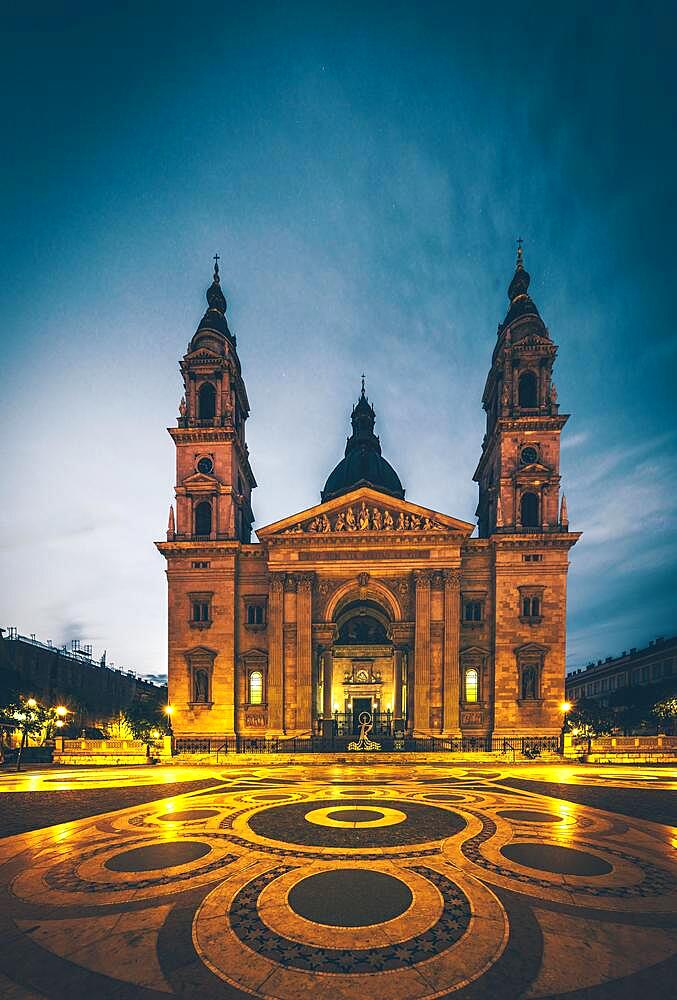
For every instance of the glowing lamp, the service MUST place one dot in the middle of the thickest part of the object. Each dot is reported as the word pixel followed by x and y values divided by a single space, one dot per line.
pixel 169 710
pixel 32 703
pixel 61 710
pixel 565 706
pixel 59 723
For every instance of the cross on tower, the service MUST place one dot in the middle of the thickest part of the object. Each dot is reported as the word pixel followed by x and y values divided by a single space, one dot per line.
pixel 363 378
pixel 216 265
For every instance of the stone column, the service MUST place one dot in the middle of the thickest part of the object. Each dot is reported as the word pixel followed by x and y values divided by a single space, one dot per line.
pixel 304 658
pixel 397 694
pixel 422 652
pixel 452 603
pixel 275 661
pixel 327 678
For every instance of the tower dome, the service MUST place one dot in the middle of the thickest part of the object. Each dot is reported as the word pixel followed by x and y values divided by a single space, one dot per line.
pixel 362 464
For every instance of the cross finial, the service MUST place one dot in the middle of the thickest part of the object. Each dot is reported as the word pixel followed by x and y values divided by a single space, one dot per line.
pixel 520 241
pixel 363 378
pixel 216 266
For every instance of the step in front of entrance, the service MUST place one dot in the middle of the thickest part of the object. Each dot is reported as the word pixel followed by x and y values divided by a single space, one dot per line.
pixel 356 759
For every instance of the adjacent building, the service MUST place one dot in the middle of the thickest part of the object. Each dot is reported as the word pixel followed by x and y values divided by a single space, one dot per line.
pixel 617 678
pixel 53 675
pixel 366 602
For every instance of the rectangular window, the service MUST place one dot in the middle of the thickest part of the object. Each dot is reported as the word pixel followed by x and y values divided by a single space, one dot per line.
pixel 596 688
pixel 533 557
pixel 200 611
pixel 604 684
pixel 199 565
pixel 255 614
pixel 531 607
pixel 472 611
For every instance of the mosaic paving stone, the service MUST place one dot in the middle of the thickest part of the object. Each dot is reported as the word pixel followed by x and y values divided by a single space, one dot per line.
pixel 350 897
pixel 552 858
pixel 145 859
pixel 184 815
pixel 459 897
pixel 424 823
pixel 529 816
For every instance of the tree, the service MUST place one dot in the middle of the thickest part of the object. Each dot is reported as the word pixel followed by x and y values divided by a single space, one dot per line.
pixel 588 718
pixel 666 713
pixel 144 718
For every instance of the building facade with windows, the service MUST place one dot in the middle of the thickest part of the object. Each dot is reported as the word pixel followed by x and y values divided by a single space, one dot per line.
pixel 612 680
pixel 366 602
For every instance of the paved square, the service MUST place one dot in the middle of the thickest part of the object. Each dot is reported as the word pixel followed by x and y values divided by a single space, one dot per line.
pixel 343 881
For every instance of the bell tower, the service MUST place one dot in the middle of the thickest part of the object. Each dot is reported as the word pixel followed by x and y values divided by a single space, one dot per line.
pixel 518 472
pixel 214 480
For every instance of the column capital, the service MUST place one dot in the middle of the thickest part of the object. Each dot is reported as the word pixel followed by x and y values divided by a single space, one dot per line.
pixel 276 583
pixel 452 578
pixel 422 578
pixel 304 582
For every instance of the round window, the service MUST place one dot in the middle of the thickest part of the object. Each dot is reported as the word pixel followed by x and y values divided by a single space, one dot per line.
pixel 205 465
pixel 529 455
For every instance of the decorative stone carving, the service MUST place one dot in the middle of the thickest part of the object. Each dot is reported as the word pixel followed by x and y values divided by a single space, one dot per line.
pixel 366 519
pixel 422 578
pixel 363 579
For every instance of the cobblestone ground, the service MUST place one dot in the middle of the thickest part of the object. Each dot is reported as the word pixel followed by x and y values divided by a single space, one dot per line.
pixel 339 882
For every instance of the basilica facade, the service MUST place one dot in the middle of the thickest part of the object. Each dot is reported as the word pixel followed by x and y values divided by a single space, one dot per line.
pixel 365 602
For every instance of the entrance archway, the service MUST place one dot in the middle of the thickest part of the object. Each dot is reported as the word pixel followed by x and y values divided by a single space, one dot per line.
pixel 362 671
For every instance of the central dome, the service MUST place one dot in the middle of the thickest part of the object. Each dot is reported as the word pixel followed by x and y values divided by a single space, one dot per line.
pixel 363 464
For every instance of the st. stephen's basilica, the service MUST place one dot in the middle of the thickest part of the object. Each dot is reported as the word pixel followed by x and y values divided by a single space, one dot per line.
pixel 366 602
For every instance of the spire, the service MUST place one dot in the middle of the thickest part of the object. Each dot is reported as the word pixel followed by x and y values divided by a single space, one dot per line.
pixel 563 514
pixel 363 418
pixel 170 525
pixel 499 512
pixel 518 291
pixel 215 317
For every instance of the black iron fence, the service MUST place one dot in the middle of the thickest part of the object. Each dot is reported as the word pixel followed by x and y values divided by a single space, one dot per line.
pixel 526 746
pixel 348 724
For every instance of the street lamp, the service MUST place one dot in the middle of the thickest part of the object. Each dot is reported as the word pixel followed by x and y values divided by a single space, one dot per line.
pixel 31 702
pixel 169 711
pixel 61 711
pixel 565 708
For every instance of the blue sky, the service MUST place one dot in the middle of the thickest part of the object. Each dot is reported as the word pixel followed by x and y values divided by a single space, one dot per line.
pixel 364 171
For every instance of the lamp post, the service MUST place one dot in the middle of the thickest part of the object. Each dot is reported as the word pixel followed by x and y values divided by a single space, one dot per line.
pixel 565 708
pixel 169 711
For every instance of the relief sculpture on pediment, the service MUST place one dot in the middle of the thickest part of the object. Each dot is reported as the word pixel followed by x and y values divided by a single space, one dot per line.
pixel 364 519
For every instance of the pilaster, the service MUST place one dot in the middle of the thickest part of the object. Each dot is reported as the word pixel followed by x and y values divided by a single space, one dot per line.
pixel 452 604
pixel 422 652
pixel 275 655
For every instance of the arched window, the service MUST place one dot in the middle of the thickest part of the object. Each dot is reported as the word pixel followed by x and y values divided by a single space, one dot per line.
pixel 529 510
pixel 256 687
pixel 472 685
pixel 206 401
pixel 203 518
pixel 528 391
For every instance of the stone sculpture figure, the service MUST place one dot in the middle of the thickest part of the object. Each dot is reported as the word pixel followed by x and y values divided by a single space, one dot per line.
pixel 414 522
pixel 182 407
pixel 325 524
pixel 402 523
pixel 351 523
pixel 388 523
pixel 364 517
pixel 201 686
pixel 529 683
pixel 376 520
pixel 340 522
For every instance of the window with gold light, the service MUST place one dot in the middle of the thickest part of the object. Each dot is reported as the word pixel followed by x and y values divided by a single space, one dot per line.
pixel 256 687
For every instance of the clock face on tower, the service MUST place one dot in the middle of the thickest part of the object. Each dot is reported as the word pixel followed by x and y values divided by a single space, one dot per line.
pixel 529 455
pixel 205 465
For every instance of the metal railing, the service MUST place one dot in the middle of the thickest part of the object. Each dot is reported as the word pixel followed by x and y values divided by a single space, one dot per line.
pixel 527 746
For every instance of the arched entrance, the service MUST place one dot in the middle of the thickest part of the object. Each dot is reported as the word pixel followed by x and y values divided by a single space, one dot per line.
pixel 364 671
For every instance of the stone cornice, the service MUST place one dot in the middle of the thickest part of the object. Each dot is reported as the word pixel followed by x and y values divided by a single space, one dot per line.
pixel 561 540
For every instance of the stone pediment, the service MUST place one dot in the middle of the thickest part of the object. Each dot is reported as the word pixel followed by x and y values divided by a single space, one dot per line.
pixel 363 511
pixel 197 480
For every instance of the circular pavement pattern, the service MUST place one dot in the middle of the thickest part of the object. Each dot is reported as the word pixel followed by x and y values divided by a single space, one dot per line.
pixel 529 816
pixel 355 815
pixel 350 897
pixel 422 824
pixel 185 815
pixel 553 858
pixel 146 859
